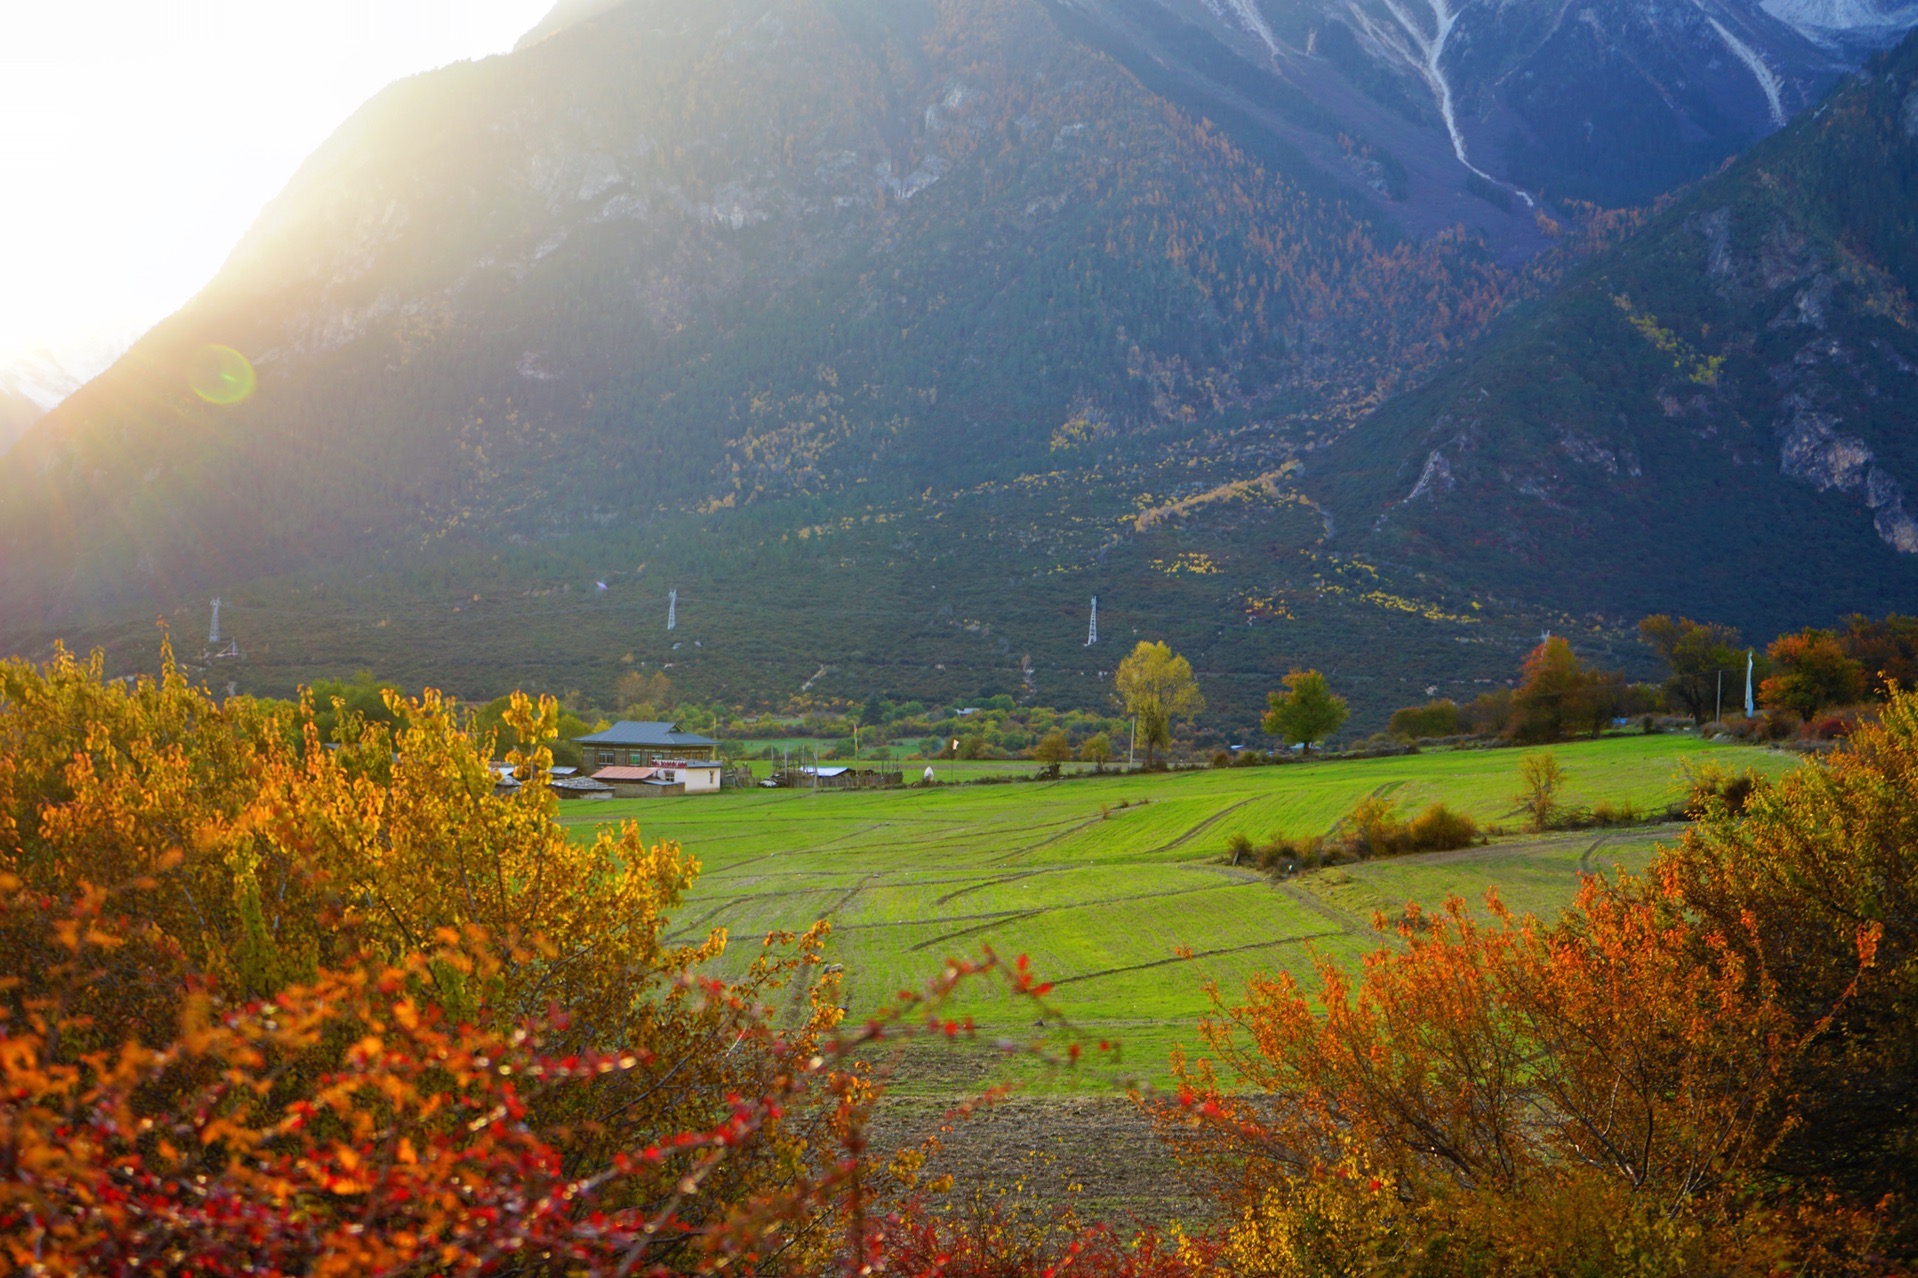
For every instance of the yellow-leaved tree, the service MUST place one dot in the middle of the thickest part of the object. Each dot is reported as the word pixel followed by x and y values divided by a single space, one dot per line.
pixel 1156 686
pixel 337 1006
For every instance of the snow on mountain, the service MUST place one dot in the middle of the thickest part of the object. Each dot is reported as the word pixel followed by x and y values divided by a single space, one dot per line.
pixel 33 382
pixel 1841 21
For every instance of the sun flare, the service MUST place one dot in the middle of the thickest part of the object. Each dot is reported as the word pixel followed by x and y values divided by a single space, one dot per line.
pixel 142 139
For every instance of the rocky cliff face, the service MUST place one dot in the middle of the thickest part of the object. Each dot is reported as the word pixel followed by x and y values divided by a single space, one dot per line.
pixel 1614 101
pixel 1740 376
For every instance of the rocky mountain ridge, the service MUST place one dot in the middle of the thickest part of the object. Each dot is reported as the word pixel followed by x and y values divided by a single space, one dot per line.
pixel 1752 349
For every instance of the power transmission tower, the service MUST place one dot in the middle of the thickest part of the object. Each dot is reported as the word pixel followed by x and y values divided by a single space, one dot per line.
pixel 1092 636
pixel 213 636
pixel 672 610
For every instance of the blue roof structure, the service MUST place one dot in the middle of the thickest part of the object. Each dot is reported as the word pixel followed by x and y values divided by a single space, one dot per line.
pixel 654 736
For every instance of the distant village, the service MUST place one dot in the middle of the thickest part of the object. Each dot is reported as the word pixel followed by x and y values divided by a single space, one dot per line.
pixel 654 760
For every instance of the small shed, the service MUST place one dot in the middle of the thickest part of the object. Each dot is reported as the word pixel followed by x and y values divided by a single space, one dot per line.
pixel 578 788
pixel 627 783
pixel 840 778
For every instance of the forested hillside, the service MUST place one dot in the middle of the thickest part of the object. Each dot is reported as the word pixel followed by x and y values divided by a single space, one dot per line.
pixel 887 335
pixel 705 290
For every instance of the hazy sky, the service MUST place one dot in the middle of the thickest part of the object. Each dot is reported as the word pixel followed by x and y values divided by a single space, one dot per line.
pixel 139 138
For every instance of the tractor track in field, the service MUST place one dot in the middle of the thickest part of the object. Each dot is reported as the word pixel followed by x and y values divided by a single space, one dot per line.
pixel 987 916
pixel 687 930
pixel 1018 916
pixel 1072 829
pixel 737 866
pixel 1585 865
pixel 850 896
pixel 1195 831
pixel 983 884
pixel 1196 955
pixel 1350 924
pixel 989 924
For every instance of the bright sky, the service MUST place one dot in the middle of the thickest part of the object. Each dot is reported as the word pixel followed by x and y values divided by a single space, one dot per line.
pixel 139 138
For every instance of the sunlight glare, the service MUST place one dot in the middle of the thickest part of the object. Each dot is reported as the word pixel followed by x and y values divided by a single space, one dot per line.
pixel 142 137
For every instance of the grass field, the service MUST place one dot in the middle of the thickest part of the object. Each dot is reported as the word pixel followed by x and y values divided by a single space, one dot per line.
pixel 1102 897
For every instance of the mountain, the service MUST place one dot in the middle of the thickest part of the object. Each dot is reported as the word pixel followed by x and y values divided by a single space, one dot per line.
pixel 1720 411
pixel 882 335
pixel 35 381
pixel 902 315
pixel 1430 102
pixel 17 413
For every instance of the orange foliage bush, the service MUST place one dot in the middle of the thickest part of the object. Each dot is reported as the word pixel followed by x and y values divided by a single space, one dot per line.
pixel 1507 1097
pixel 272 1005
pixel 268 1007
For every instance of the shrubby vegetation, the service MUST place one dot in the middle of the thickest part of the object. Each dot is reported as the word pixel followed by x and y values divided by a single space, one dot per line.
pixel 1373 828
pixel 1485 1098
pixel 1815 684
pixel 281 1008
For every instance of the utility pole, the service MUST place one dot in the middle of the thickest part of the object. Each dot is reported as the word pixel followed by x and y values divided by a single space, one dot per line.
pixel 213 636
pixel 1719 717
pixel 1132 751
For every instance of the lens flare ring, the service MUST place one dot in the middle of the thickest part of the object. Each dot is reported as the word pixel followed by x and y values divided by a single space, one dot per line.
pixel 221 375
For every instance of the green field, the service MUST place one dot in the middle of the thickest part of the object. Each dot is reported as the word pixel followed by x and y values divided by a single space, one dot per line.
pixel 1101 897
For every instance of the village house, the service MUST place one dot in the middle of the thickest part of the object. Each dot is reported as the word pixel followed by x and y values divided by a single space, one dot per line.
pixel 666 778
pixel 643 745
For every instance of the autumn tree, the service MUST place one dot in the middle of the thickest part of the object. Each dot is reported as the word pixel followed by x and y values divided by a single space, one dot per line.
pixel 1887 650
pixel 1481 1099
pixel 1307 711
pixel 1097 750
pixel 1488 714
pixel 1440 718
pixel 1558 695
pixel 1812 672
pixel 1053 749
pixel 1157 687
pixel 646 697
pixel 1699 656
pixel 1541 781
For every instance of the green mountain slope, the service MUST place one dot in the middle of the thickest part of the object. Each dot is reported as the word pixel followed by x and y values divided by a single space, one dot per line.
pixel 875 328
pixel 888 334
pixel 1717 416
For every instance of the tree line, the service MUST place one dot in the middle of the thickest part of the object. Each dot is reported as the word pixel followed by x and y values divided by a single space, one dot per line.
pixel 1815 682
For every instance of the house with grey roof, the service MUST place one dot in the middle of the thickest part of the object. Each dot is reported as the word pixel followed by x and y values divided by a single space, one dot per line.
pixel 642 745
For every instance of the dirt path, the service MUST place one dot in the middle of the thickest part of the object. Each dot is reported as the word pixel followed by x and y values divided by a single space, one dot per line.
pixel 1103 1145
